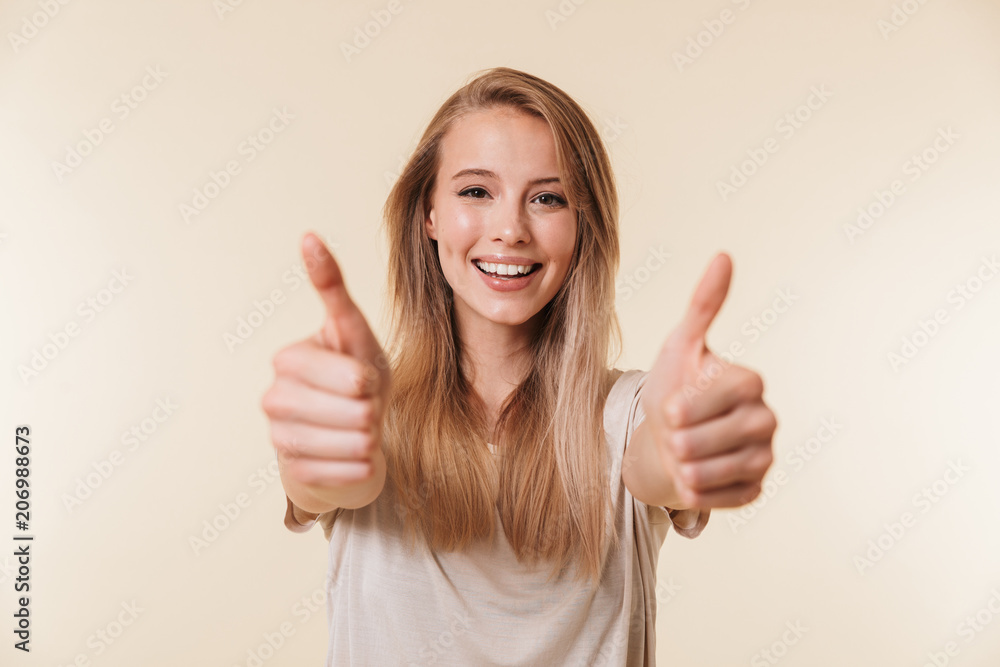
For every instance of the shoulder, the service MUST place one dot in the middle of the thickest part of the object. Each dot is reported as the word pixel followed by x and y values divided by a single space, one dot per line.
pixel 625 386
pixel 622 402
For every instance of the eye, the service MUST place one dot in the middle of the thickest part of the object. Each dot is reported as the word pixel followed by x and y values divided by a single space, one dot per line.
pixel 554 199
pixel 468 193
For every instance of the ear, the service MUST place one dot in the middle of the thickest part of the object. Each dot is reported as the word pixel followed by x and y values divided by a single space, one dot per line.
pixel 430 226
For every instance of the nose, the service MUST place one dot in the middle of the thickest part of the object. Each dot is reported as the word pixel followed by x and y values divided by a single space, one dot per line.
pixel 509 223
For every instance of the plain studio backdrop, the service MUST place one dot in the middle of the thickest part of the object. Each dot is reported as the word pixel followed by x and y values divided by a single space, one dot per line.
pixel 161 162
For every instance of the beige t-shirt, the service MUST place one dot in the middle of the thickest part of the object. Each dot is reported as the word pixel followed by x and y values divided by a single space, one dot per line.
pixel 387 606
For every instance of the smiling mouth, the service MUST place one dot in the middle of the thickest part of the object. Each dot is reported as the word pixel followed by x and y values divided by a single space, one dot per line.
pixel 510 271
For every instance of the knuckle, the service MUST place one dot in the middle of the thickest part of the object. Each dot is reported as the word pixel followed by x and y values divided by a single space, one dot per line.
pixel 751 494
pixel 299 472
pixel 287 448
pixel 768 422
pixel 767 457
pixel 682 445
pixel 729 469
pixel 366 414
pixel 366 446
pixel 753 386
pixel 358 472
pixel 357 378
pixel 295 448
pixel 284 361
pixel 271 403
pixel 763 461
pixel 307 474
pixel 367 470
pixel 281 407
pixel 691 498
pixel 691 476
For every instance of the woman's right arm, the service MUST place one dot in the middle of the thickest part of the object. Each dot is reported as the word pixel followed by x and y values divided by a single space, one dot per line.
pixel 327 403
pixel 309 501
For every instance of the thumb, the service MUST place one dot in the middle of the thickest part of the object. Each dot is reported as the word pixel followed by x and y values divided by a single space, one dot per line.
pixel 345 328
pixel 707 300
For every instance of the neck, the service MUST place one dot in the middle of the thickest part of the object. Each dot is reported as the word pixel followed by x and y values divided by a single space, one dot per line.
pixel 496 357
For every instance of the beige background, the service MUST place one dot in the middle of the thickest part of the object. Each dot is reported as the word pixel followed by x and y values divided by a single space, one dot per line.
pixel 674 131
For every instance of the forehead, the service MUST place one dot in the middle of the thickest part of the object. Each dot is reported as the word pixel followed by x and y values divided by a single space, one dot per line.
pixel 500 140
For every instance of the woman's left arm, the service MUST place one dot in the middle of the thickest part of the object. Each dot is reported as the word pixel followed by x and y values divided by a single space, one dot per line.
pixel 706 438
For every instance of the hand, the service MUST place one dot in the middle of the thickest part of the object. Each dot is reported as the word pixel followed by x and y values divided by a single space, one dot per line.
pixel 706 415
pixel 327 402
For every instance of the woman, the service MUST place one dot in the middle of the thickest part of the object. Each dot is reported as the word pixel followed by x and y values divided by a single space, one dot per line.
pixel 492 491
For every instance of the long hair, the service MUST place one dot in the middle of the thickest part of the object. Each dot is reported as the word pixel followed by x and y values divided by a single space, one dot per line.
pixel 550 482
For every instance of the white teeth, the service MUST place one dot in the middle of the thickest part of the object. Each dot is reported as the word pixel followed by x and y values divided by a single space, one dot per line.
pixel 505 269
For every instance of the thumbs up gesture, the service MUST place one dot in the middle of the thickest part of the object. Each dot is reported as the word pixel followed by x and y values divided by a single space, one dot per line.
pixel 706 416
pixel 327 401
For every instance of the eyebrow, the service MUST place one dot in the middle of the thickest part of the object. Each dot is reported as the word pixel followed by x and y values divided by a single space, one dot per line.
pixel 486 173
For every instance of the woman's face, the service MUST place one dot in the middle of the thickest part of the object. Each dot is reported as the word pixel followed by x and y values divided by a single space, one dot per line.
pixel 498 210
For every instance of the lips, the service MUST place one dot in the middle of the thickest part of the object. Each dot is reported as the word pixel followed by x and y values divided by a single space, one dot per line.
pixel 504 271
pixel 506 283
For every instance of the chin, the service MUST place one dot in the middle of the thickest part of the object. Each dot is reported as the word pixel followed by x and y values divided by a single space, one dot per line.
pixel 510 321
pixel 508 318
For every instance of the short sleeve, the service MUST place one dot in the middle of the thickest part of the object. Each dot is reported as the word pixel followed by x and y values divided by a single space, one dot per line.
pixel 291 523
pixel 687 522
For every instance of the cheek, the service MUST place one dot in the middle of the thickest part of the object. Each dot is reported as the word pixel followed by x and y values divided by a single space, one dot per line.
pixel 457 234
pixel 560 241
pixel 457 231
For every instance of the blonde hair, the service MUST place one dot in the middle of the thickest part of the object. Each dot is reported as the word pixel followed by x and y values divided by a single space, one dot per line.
pixel 550 482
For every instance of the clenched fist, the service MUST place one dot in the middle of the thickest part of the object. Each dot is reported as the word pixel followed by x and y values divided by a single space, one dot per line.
pixel 328 398
pixel 707 418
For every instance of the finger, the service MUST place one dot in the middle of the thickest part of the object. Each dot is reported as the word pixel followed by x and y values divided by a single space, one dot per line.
pixel 748 422
pixel 320 472
pixel 349 331
pixel 320 367
pixel 288 400
pixel 707 299
pixel 736 495
pixel 299 440
pixel 326 276
pixel 747 464
pixel 730 385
